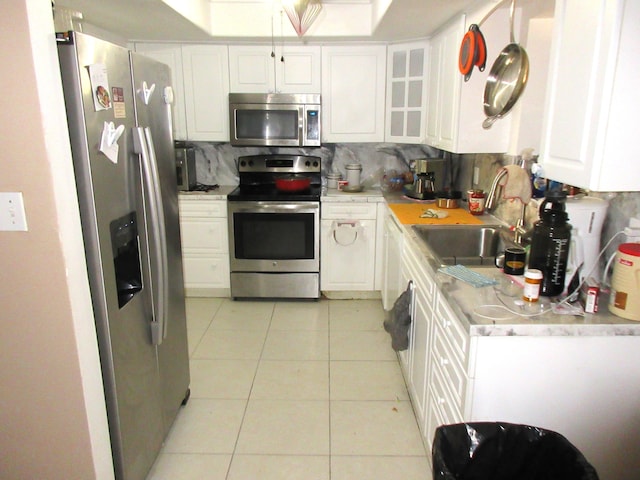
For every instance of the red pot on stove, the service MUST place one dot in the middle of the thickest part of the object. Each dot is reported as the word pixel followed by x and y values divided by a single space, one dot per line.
pixel 293 184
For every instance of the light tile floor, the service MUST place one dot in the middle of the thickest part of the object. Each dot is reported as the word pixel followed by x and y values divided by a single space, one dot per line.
pixel 292 390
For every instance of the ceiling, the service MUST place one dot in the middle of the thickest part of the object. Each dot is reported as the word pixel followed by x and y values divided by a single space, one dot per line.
pixel 220 20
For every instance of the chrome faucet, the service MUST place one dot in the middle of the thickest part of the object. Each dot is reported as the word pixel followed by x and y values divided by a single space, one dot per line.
pixel 492 199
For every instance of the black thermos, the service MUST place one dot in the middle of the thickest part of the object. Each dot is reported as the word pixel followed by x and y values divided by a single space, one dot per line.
pixel 550 244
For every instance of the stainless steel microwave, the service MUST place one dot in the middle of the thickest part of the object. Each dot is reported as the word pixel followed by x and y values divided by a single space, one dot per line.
pixel 275 119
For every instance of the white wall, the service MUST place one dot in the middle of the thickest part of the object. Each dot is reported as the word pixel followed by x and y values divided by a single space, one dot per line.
pixel 52 408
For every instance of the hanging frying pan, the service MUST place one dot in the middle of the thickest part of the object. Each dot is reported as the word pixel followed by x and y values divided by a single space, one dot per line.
pixel 506 80
pixel 473 52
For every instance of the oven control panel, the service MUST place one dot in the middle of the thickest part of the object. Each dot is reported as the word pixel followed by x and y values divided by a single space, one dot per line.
pixel 279 164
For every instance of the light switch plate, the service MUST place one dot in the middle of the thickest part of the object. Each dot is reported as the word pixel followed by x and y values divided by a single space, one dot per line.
pixel 12 216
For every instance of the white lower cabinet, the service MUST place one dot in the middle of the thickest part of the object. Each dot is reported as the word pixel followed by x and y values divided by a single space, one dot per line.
pixel 416 364
pixel 347 246
pixel 580 386
pixel 205 247
pixel 392 237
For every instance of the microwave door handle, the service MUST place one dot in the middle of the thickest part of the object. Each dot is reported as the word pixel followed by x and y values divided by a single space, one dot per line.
pixel 302 125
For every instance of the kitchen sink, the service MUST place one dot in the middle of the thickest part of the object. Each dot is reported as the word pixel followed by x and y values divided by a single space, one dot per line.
pixel 465 244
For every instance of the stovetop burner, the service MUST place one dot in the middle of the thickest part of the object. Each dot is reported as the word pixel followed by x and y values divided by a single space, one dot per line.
pixel 258 174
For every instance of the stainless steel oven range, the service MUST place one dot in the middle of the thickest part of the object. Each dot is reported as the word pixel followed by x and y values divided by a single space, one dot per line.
pixel 274 223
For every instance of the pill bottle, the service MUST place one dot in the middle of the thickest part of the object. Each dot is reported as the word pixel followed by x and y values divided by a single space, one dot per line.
pixel 532 282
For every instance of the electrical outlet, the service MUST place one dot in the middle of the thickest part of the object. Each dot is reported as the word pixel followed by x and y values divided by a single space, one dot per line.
pixel 633 230
pixel 12 216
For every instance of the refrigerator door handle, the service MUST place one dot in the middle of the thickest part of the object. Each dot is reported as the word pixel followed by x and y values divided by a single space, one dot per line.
pixel 143 143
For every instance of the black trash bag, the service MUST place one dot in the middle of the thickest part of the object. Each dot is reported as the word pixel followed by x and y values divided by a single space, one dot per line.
pixel 398 321
pixel 506 451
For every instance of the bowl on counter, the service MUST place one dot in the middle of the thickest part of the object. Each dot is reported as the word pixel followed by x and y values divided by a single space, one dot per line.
pixel 448 199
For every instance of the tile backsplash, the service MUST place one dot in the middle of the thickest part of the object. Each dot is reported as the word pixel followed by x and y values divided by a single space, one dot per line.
pixel 622 205
pixel 216 162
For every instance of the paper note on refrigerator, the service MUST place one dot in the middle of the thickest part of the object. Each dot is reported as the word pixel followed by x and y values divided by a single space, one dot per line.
pixel 100 86
pixel 109 140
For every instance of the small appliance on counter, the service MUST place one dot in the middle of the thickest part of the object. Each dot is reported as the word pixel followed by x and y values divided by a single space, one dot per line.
pixel 425 171
pixel 586 215
pixel 185 166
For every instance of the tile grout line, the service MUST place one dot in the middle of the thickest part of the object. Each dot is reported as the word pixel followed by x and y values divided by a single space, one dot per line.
pixel 246 405
pixel 329 381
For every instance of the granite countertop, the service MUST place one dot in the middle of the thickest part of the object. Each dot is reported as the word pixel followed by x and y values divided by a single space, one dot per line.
pixel 369 195
pixel 219 193
pixel 497 310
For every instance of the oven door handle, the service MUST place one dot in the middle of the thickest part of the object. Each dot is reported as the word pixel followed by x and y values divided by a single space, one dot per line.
pixel 291 208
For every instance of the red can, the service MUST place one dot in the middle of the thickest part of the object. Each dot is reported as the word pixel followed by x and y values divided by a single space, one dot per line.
pixel 476 200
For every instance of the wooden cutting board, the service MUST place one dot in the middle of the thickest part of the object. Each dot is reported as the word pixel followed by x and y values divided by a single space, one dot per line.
pixel 409 214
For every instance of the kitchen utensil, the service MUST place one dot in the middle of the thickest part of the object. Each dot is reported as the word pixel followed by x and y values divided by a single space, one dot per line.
pixel 507 79
pixel 292 184
pixel 442 202
pixel 448 199
pixel 473 52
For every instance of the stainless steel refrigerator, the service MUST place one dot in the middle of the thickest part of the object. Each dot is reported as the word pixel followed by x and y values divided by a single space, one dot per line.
pixel 119 111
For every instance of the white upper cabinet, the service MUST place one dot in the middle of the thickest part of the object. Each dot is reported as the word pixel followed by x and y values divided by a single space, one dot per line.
pixel 353 93
pixel 170 55
pixel 455 107
pixel 590 128
pixel 283 69
pixel 406 92
pixel 206 84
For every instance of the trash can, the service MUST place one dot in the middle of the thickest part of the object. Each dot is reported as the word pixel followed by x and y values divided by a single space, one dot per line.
pixel 506 451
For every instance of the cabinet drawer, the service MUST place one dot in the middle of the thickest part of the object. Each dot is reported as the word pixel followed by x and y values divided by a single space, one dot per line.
pixel 452 330
pixel 357 210
pixel 449 408
pixel 205 234
pixel 206 271
pixel 202 208
pixel 453 373
pixel 442 409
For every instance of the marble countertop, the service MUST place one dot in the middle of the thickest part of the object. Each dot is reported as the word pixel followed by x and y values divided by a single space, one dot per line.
pixel 219 193
pixel 498 310
pixel 485 311
pixel 369 195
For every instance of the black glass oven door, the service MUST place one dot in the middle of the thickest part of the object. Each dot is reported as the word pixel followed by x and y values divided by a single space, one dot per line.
pixel 274 236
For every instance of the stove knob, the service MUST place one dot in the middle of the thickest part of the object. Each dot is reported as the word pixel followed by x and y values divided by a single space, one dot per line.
pixel 251 163
pixel 307 163
pixel 315 163
pixel 243 163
